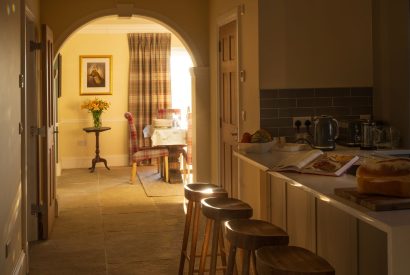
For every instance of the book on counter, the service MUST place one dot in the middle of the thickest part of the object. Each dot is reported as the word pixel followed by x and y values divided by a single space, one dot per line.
pixel 317 162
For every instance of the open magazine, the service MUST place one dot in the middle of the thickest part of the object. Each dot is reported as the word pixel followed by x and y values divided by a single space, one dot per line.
pixel 317 162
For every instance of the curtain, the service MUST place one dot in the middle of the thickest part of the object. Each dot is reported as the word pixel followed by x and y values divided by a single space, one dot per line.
pixel 149 78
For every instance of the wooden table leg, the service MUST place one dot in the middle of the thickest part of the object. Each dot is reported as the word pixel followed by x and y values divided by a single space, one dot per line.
pixel 97 154
pixel 174 164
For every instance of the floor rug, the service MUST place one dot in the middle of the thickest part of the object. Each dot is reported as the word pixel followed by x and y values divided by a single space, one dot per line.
pixel 154 185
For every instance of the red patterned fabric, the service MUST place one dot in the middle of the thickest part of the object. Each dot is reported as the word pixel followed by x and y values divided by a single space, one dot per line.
pixel 138 154
pixel 167 113
pixel 149 85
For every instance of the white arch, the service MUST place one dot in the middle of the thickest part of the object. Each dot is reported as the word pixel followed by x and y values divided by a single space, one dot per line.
pixel 158 18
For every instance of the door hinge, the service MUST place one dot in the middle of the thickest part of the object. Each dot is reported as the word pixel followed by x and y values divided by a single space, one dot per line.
pixel 34 131
pixel 35 45
pixel 36 209
pixel 21 129
pixel 21 81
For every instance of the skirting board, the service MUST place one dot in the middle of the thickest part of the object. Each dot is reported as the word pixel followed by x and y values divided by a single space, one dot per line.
pixel 21 266
pixel 85 162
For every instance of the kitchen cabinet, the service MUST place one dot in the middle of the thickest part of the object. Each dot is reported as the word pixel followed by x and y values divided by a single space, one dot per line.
pixel 277 201
pixel 336 235
pixel 252 189
pixel 300 217
pixel 292 209
pixel 355 240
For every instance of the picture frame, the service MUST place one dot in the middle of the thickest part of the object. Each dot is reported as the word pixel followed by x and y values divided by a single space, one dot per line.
pixel 95 74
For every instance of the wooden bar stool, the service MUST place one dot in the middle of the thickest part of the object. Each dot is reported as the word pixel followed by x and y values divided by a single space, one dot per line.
pixel 194 193
pixel 217 210
pixel 290 260
pixel 250 235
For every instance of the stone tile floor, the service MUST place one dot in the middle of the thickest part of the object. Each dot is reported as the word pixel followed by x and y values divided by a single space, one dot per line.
pixel 107 226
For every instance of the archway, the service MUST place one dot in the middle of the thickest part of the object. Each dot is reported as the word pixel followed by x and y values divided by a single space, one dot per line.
pixel 102 37
pixel 199 73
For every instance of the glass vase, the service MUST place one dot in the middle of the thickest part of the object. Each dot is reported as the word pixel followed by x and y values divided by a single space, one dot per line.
pixel 97 118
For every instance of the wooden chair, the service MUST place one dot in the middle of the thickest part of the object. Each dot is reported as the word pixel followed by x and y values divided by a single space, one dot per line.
pixel 143 153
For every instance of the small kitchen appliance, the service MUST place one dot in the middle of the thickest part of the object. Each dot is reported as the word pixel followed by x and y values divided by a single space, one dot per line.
pixel 325 131
pixel 350 132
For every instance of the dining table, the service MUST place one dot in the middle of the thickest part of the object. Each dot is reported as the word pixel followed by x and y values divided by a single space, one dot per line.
pixel 175 140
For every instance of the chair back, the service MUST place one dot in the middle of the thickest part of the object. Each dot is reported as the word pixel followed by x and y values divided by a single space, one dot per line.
pixel 169 113
pixel 132 131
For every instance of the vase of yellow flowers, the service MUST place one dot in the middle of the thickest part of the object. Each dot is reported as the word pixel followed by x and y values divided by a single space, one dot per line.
pixel 96 108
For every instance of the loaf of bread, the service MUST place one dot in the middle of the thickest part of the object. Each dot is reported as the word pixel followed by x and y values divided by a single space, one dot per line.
pixel 390 177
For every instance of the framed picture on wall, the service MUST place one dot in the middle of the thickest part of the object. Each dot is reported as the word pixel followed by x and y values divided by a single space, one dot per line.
pixel 95 74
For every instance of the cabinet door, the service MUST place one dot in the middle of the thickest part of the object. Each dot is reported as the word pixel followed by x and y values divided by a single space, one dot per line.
pixel 249 187
pixel 277 201
pixel 300 212
pixel 337 238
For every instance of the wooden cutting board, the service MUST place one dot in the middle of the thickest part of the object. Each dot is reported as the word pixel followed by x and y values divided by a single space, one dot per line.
pixel 374 202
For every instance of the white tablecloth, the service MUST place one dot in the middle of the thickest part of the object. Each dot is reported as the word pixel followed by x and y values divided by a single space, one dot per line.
pixel 168 136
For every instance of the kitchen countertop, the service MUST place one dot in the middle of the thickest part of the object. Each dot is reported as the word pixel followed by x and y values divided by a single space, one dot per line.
pixel 396 224
pixel 323 187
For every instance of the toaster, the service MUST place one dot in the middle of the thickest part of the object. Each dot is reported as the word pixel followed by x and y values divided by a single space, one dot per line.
pixel 350 132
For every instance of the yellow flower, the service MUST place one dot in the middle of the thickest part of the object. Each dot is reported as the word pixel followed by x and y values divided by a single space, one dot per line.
pixel 95 105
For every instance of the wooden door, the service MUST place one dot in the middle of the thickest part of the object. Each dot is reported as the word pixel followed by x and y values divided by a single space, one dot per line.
pixel 47 147
pixel 228 79
pixel 31 109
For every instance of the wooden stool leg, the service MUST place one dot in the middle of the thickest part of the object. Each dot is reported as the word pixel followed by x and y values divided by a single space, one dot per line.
pixel 205 245
pixel 246 262
pixel 222 248
pixel 231 260
pixel 185 239
pixel 194 239
pixel 214 251
pixel 254 262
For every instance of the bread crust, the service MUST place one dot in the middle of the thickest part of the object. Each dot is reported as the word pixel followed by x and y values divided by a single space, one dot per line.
pixel 386 177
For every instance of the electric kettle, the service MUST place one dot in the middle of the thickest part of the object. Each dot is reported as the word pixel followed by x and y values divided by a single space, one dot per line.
pixel 325 131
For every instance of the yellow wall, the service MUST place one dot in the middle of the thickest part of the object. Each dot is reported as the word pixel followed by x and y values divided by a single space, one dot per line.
pixel 76 148
pixel 65 17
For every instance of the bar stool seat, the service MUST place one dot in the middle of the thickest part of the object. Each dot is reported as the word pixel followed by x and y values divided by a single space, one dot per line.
pixel 217 210
pixel 290 260
pixel 250 235
pixel 194 193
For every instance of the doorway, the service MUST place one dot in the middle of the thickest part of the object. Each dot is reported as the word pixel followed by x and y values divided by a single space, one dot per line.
pixel 228 105
pixel 108 36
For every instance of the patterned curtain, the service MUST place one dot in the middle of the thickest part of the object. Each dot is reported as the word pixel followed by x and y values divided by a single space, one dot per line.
pixel 149 86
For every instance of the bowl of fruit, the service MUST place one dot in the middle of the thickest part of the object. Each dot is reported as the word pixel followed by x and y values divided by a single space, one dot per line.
pixel 259 142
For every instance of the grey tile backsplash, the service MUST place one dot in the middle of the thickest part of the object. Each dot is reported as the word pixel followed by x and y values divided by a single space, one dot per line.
pixel 278 107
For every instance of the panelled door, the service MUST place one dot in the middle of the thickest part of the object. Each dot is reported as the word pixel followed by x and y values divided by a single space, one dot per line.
pixel 228 79
pixel 47 144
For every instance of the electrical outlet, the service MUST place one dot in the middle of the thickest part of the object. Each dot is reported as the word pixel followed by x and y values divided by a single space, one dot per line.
pixel 302 120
